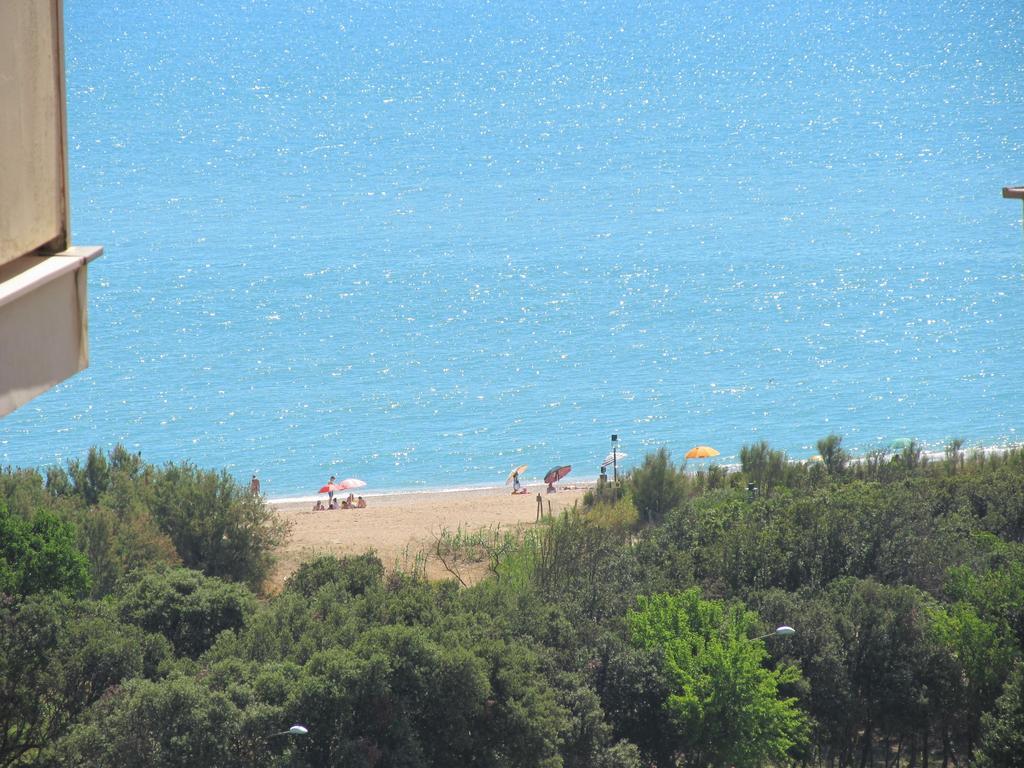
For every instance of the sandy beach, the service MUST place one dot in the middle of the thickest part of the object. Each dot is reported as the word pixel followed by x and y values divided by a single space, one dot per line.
pixel 400 527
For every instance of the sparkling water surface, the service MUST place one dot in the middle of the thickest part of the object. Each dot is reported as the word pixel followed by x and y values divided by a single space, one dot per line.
pixel 420 243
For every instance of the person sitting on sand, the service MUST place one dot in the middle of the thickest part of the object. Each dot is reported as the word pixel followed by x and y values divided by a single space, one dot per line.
pixel 551 488
pixel 333 504
pixel 346 504
pixel 319 506
pixel 361 503
pixel 351 501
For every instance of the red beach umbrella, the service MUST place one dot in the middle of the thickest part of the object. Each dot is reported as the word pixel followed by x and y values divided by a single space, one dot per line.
pixel 557 473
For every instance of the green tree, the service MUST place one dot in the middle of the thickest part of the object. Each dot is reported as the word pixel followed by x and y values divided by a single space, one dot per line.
pixel 912 456
pixel 56 659
pixel 1002 741
pixel 973 659
pixel 91 479
pixel 39 554
pixel 725 705
pixel 29 636
pixel 175 723
pixel 354 573
pixel 399 697
pixel 763 466
pixel 657 487
pixel 119 539
pixel 586 568
pixel 57 482
pixel 633 685
pixel 833 456
pixel 955 455
pixel 217 526
pixel 184 606
pixel 23 491
pixel 993 583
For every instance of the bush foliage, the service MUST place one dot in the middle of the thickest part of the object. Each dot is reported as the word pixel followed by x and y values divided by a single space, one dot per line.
pixel 635 630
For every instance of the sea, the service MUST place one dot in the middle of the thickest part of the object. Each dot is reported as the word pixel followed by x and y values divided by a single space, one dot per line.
pixel 421 243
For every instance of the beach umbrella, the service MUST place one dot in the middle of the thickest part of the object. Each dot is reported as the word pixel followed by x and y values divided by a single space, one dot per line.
pixel 557 473
pixel 900 443
pixel 330 487
pixel 613 458
pixel 701 452
pixel 349 483
pixel 517 471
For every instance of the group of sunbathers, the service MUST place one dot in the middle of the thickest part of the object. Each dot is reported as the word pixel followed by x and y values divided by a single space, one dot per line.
pixel 350 503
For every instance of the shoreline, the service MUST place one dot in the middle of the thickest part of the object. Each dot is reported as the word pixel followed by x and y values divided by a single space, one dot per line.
pixel 584 482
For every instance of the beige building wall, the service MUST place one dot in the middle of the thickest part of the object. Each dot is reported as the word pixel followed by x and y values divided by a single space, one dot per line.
pixel 43 298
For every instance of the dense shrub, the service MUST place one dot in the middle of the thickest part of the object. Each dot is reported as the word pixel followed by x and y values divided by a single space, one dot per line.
pixel 217 526
pixel 657 487
pixel 589 646
pixel 184 606
pixel 355 574
pixel 38 554
pixel 57 658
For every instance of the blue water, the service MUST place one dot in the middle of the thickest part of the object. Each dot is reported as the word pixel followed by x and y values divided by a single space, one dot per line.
pixel 420 243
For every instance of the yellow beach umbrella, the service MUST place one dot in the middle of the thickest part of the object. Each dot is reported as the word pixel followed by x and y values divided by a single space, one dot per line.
pixel 701 452
pixel 517 471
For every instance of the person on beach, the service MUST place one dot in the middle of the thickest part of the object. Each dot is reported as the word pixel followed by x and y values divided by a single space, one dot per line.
pixel 254 486
pixel 351 501
pixel 516 485
pixel 333 504
pixel 551 488
pixel 319 506
pixel 346 504
pixel 330 492
pixel 360 503
pixel 540 508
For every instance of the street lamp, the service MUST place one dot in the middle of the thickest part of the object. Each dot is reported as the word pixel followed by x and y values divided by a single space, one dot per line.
pixel 784 631
pixel 295 730
pixel 615 457
pixel 1013 193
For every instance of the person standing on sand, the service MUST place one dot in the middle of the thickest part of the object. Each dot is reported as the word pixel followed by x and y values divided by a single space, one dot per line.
pixel 540 508
pixel 330 492
pixel 516 485
pixel 254 486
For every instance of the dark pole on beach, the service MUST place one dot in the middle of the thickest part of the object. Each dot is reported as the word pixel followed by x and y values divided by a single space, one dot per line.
pixel 615 458
pixel 1014 193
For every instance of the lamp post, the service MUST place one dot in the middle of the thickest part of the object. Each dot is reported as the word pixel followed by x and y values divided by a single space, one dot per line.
pixel 783 631
pixel 295 730
pixel 615 458
pixel 1013 193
